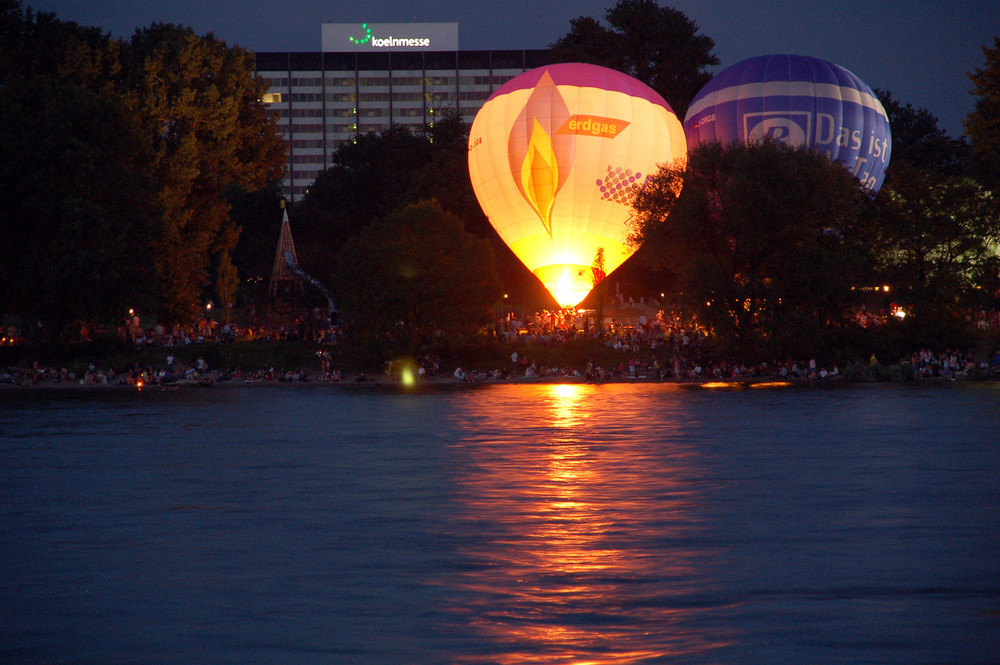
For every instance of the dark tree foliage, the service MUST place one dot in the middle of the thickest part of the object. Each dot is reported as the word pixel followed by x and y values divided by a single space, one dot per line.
pixel 386 171
pixel 660 46
pixel 413 273
pixel 78 202
pixel 982 126
pixel 176 120
pixel 445 178
pixel 445 175
pixel 39 45
pixel 78 207
pixel 368 179
pixel 917 140
pixel 938 236
pixel 935 232
pixel 765 240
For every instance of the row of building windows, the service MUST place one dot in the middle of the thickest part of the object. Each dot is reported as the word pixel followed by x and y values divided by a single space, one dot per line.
pixel 339 127
pixel 415 119
pixel 307 128
pixel 369 112
pixel 303 124
pixel 302 113
pixel 297 82
pixel 317 128
pixel 307 97
pixel 363 81
pixel 310 97
pixel 307 143
pixel 375 82
pixel 387 61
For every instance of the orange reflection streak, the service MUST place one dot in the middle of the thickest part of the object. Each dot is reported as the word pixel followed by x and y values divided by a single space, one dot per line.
pixel 582 547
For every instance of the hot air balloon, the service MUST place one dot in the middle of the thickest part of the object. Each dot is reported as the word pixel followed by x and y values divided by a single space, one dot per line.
pixel 799 101
pixel 556 156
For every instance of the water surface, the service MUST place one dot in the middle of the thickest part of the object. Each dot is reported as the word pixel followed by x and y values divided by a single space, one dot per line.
pixel 607 524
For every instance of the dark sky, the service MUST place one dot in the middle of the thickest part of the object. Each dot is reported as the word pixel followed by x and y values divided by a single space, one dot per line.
pixel 919 50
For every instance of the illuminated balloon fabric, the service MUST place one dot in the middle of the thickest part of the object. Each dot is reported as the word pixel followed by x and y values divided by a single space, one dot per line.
pixel 555 156
pixel 799 101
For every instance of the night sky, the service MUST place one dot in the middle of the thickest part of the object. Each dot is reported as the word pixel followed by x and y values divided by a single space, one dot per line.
pixel 919 50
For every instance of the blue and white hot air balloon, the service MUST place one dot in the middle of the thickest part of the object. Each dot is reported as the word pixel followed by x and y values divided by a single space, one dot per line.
pixel 799 101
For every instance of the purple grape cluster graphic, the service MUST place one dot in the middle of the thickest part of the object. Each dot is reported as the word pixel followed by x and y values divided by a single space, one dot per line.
pixel 618 184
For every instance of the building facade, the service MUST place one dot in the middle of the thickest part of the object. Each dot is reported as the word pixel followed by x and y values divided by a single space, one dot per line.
pixel 383 75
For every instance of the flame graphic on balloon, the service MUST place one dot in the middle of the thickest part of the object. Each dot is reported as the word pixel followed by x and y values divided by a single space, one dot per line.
pixel 540 175
pixel 539 155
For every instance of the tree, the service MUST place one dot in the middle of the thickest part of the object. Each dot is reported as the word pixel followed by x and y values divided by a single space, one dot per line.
pixel 445 178
pixel 413 273
pixel 38 45
pixel 78 205
pixel 660 46
pixel 598 274
pixel 200 105
pixel 938 235
pixel 765 240
pixel 983 125
pixel 382 172
pixel 367 180
pixel 935 230
pixel 597 267
pixel 226 281
pixel 917 140
pixel 188 111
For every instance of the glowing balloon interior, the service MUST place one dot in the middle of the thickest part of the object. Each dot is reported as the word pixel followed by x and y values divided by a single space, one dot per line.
pixel 799 101
pixel 556 156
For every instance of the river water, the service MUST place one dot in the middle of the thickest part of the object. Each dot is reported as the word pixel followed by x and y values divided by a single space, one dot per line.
pixel 569 524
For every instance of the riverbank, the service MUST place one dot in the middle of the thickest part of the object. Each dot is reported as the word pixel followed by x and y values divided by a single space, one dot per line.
pixel 220 381
pixel 481 361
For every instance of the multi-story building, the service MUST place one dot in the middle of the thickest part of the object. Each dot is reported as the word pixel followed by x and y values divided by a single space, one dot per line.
pixel 371 76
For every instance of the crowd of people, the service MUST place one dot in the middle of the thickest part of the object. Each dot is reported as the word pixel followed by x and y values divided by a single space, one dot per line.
pixel 983 319
pixel 661 346
pixel 951 365
pixel 189 374
pixel 666 346
pixel 208 329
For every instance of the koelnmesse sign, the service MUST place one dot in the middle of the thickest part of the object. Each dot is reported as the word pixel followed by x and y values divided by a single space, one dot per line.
pixel 369 37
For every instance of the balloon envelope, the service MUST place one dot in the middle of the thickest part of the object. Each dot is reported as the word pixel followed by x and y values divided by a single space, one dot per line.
pixel 799 101
pixel 556 155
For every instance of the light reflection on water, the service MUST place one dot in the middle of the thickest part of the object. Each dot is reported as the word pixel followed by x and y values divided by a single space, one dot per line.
pixel 566 524
pixel 586 549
